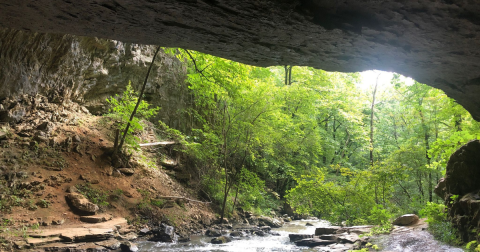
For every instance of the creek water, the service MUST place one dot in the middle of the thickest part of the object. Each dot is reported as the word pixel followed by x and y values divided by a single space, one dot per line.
pixel 243 244
pixel 412 241
pixel 402 242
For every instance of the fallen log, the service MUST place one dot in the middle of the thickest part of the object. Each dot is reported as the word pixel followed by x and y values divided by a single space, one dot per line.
pixel 176 197
pixel 165 143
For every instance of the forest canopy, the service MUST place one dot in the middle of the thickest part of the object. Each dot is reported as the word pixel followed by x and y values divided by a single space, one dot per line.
pixel 318 141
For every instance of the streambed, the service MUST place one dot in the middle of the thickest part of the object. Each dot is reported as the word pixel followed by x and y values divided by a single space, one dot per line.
pixel 402 242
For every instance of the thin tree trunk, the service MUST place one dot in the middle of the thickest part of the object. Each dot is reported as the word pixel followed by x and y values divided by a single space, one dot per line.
pixel 138 102
pixel 290 75
pixel 235 201
pixel 371 120
pixel 427 148
pixel 224 132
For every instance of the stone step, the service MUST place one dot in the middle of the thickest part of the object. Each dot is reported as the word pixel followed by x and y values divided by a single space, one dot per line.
pixel 87 232
pixel 60 246
pixel 42 241
pixel 96 218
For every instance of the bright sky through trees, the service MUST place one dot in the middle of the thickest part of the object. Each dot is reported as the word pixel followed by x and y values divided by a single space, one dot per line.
pixel 369 77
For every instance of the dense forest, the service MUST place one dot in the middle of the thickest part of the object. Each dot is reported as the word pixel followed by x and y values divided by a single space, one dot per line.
pixel 318 140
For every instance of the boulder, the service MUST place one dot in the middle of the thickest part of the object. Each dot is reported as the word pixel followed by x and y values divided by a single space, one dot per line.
pixel 211 232
pixel 164 233
pixel 326 230
pixel 168 163
pixel 351 238
pixel 46 127
pixel 266 229
pixel 271 222
pixel 127 246
pixel 82 204
pixel 259 233
pixel 110 244
pixel 461 178
pixel 237 234
pixel 406 220
pixel 313 242
pixel 297 237
pixel 144 231
pixel 328 237
pixel 220 240
pixel 440 188
pixel 91 247
pixel 126 171
pixel 13 115
pixel 462 173
pixel 58 221
pixel 130 236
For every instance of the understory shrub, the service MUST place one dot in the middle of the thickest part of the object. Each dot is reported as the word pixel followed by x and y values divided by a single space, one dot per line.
pixel 438 225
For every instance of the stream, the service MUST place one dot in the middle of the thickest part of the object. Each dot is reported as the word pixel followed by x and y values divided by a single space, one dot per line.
pixel 401 242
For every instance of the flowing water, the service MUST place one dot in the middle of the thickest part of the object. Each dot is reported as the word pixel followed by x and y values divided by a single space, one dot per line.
pixel 251 243
pixel 412 241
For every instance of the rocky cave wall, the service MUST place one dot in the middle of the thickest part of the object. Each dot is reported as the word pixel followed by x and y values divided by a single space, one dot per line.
pixel 462 179
pixel 434 41
pixel 89 70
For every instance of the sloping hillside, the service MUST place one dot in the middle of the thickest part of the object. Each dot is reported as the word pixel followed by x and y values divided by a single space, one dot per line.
pixel 53 147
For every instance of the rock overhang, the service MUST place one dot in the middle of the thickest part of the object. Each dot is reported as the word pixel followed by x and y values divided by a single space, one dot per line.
pixel 434 42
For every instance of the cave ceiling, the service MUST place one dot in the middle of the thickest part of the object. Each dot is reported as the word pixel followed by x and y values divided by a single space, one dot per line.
pixel 434 42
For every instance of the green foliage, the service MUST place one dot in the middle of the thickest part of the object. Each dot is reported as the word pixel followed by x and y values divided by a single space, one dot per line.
pixel 43 203
pixel 157 202
pixel 96 196
pixel 308 141
pixel 116 194
pixel 438 225
pixel 384 228
pixel 434 212
pixel 379 216
pixel 454 198
pixel 121 108
pixel 472 246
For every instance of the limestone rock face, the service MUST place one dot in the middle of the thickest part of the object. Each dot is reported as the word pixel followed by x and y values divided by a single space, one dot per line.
pixel 463 170
pixel 87 71
pixel 79 202
pixel 436 43
pixel 461 179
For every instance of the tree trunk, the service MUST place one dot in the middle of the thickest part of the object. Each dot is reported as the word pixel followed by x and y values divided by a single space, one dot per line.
pixel 371 120
pixel 235 201
pixel 119 147
pixel 427 148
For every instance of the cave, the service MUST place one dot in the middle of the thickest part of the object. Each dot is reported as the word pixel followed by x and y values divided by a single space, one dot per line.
pixel 434 42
